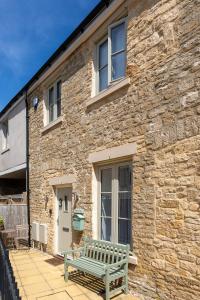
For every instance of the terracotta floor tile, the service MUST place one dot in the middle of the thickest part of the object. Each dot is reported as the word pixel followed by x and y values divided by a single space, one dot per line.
pixel 57 283
pixel 20 257
pixel 29 272
pixel 81 297
pixel 57 296
pixel 38 258
pixel 73 291
pixel 53 275
pixel 46 270
pixel 94 296
pixel 36 288
pixel 23 267
pixel 39 295
pixel 31 280
pixel 127 297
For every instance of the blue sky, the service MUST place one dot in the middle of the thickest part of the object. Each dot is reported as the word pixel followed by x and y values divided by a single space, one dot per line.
pixel 30 31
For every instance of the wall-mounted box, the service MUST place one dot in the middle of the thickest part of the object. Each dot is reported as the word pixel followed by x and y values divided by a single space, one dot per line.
pixel 35 231
pixel 43 233
pixel 78 220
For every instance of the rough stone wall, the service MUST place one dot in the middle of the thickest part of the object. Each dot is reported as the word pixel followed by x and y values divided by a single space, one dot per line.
pixel 160 112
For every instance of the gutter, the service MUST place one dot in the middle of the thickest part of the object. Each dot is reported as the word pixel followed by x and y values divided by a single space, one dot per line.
pixel 27 170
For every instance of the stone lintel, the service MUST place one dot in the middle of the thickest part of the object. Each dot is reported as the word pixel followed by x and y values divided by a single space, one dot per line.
pixel 112 153
pixel 67 179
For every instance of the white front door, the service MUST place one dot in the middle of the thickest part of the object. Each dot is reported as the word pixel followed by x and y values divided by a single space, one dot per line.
pixel 64 220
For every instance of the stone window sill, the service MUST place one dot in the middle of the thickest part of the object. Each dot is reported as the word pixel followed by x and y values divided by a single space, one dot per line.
pixel 52 125
pixel 112 89
pixel 5 150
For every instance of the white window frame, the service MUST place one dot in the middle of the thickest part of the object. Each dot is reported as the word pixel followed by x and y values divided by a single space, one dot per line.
pixel 114 208
pixel 4 124
pixel 55 106
pixel 108 37
pixel 97 64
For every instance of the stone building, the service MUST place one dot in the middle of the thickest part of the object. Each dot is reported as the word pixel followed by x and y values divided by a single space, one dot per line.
pixel 116 132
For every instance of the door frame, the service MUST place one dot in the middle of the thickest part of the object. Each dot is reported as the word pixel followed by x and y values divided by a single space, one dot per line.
pixel 56 188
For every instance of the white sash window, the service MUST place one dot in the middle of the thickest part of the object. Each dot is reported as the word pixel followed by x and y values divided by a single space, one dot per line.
pixel 111 54
pixel 114 204
pixel 54 101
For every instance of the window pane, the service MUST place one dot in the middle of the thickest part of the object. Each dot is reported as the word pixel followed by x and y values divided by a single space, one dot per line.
pixel 58 97
pixel 51 117
pixel 124 177
pixel 118 38
pixel 103 79
pixel 118 66
pixel 51 104
pixel 58 92
pixel 103 54
pixel 125 205
pixel 124 229
pixel 106 229
pixel 106 180
pixel 51 96
pixel 106 204
pixel 58 108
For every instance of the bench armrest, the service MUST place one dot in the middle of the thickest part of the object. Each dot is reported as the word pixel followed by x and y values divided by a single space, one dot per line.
pixel 71 251
pixel 117 264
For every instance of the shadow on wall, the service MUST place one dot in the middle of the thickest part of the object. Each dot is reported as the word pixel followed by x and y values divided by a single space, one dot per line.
pixel 12 186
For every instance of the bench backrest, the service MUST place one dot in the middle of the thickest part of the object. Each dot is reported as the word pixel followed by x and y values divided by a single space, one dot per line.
pixel 105 252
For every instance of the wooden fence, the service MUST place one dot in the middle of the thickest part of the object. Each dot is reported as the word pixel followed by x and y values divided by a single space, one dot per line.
pixel 14 215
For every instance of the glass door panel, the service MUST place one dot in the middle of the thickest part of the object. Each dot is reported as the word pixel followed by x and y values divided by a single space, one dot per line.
pixel 106 204
pixel 124 204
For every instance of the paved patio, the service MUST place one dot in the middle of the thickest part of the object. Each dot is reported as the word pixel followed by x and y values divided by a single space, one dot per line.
pixel 40 276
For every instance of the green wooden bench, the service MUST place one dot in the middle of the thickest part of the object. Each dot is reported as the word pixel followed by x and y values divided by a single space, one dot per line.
pixel 103 260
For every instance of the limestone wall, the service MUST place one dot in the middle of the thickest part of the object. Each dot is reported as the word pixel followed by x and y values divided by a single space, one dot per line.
pixel 160 112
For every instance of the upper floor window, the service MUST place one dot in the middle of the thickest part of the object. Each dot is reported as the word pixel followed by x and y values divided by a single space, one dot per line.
pixel 111 56
pixel 54 101
pixel 5 132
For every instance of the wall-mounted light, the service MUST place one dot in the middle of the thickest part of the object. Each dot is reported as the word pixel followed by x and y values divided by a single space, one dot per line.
pixel 35 102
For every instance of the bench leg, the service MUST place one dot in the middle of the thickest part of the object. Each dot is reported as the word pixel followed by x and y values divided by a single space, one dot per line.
pixel 107 283
pixel 66 272
pixel 126 291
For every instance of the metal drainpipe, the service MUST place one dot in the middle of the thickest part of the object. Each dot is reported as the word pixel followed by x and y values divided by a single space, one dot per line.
pixel 27 170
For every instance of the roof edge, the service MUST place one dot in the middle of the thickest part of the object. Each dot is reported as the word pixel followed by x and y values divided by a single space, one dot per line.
pixel 98 9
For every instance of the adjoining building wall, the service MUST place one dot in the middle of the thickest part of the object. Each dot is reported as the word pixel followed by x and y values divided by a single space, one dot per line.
pixel 159 112
pixel 15 156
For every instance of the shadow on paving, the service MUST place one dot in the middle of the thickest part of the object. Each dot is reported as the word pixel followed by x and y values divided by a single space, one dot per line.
pixel 92 283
